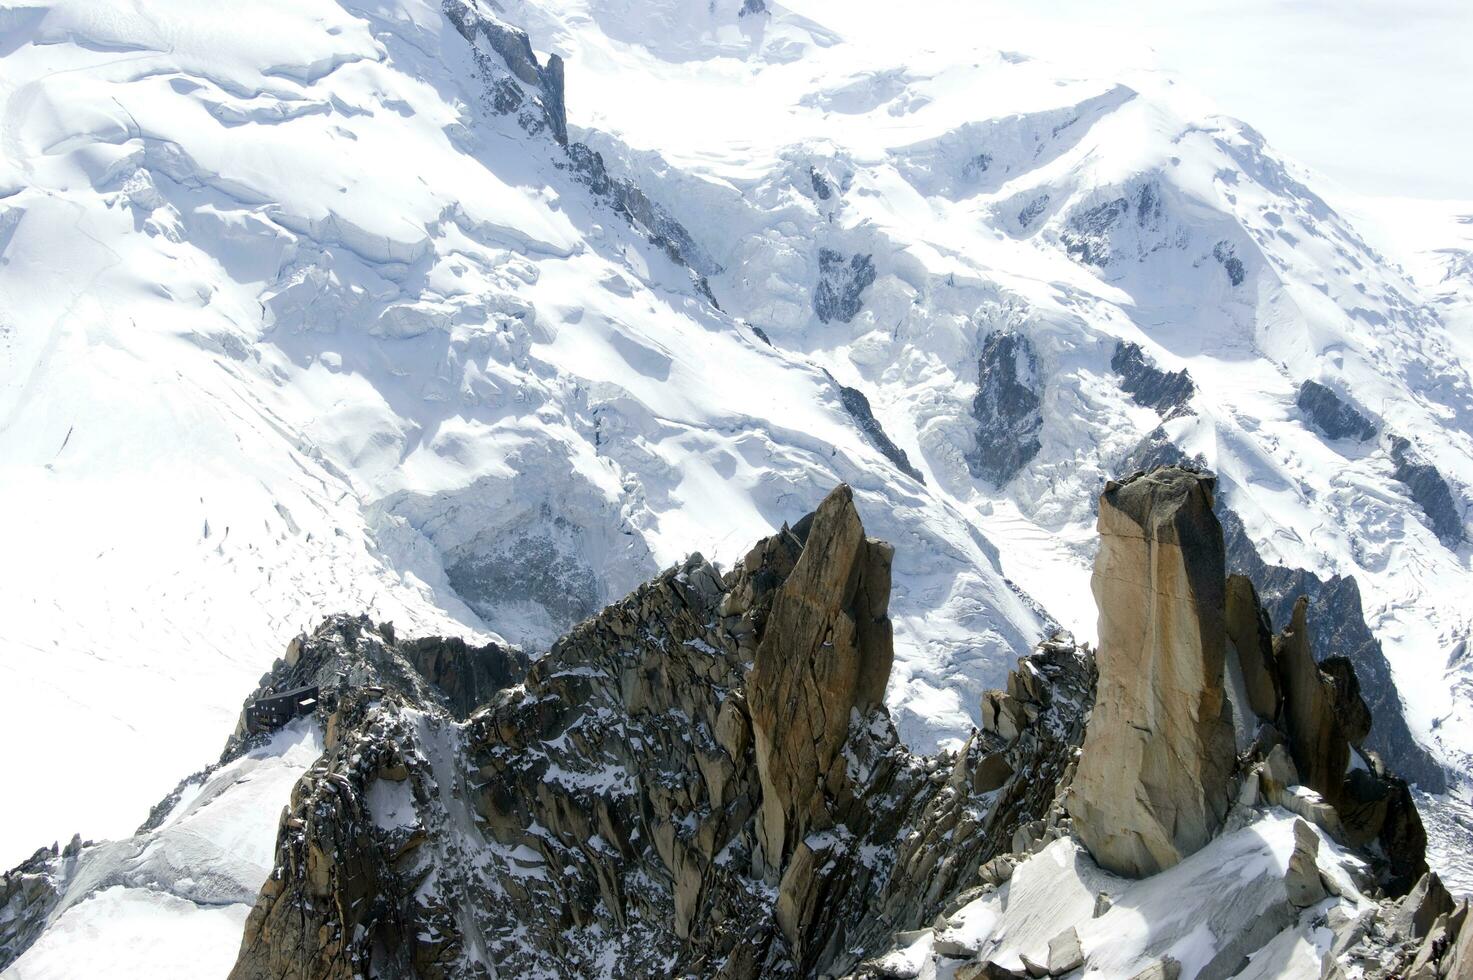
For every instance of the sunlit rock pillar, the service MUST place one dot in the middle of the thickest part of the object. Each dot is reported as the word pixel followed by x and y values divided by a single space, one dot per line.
pixel 1152 784
pixel 821 667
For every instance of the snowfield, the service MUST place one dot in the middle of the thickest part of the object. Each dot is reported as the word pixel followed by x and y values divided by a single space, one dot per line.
pixel 171 901
pixel 296 316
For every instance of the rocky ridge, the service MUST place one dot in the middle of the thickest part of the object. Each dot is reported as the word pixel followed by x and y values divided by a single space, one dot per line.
pixel 700 780
pixel 703 780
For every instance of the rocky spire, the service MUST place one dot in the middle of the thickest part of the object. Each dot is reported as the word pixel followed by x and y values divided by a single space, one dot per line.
pixel 1320 751
pixel 825 658
pixel 1152 785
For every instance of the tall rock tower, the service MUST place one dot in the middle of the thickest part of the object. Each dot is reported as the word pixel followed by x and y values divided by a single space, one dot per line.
pixel 1152 785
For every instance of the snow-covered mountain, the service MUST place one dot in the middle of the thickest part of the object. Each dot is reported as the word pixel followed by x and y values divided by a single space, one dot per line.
pixel 475 316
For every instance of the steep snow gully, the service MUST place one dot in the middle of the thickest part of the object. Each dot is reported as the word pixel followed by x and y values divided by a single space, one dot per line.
pixel 475 316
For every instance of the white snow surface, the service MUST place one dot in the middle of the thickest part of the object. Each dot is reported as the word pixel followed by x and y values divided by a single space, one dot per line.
pixel 291 324
pixel 171 902
pixel 1190 912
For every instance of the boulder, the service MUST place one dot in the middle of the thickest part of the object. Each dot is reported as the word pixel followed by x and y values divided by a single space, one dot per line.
pixel 1064 953
pixel 1302 878
pixel 1414 915
pixel 1153 779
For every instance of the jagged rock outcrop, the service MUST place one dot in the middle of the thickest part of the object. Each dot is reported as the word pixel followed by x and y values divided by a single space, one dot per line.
pixel 1332 415
pixel 467 676
pixel 1086 235
pixel 1168 392
pixel 500 48
pixel 29 893
pixel 701 780
pixel 825 655
pixel 1047 910
pixel 1152 784
pixel 1429 489
pixel 516 84
pixel 1007 407
pixel 841 284
pixel 857 405
pixel 1180 647
pixel 1320 750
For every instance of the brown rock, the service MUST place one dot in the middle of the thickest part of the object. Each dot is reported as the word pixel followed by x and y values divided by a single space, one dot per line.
pixel 1321 752
pixel 1152 784
pixel 826 652
pixel 1351 713
pixel 1248 631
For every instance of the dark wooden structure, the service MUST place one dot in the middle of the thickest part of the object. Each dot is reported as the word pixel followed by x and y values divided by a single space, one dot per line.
pixel 266 714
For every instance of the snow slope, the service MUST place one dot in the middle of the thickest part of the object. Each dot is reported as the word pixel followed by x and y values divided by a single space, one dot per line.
pixel 171 901
pixel 294 318
pixel 1193 912
pixel 994 191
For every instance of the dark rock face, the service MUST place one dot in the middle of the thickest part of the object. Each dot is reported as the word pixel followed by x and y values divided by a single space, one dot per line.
pixel 702 780
pixel 468 676
pixel 513 50
pixel 1168 392
pixel 515 84
pixel 28 894
pixel 1320 750
pixel 1225 254
pixel 820 184
pixel 1156 449
pixel 542 566
pixel 1007 408
pixel 347 653
pixel 1429 490
pixel 858 408
pixel 1087 236
pixel 1332 415
pixel 840 285
pixel 1031 211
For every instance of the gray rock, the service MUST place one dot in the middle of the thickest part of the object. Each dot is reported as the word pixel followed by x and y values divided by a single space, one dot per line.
pixel 1007 408
pixel 841 283
pixel 1087 234
pixel 1064 953
pixel 1332 415
pixel 1302 879
pixel 1430 491
pixel 1168 392
pixel 858 408
pixel 1225 254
